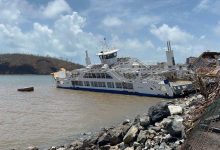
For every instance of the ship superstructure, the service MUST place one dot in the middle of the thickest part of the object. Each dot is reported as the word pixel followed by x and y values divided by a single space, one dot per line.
pixel 119 75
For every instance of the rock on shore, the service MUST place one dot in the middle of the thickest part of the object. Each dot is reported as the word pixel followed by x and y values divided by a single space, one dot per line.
pixel 158 129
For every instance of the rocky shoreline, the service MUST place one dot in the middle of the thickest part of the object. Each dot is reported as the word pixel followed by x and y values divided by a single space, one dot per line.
pixel 164 126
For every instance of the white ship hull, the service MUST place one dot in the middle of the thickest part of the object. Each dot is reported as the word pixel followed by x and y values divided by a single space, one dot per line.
pixel 125 92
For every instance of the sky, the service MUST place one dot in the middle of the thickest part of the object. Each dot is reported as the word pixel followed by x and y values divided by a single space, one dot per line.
pixel 139 28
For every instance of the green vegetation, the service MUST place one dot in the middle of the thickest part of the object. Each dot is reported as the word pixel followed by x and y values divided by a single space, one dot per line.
pixel 30 64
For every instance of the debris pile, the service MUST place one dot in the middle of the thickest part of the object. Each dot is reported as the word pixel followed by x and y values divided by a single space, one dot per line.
pixel 205 63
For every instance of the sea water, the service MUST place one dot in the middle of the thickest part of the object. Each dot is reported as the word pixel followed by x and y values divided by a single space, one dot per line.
pixel 50 116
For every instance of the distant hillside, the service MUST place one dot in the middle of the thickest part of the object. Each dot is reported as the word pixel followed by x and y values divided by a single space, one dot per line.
pixel 30 64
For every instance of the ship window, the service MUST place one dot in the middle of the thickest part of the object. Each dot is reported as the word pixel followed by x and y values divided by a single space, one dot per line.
pixel 86 75
pixel 110 56
pixel 86 83
pixel 98 84
pixel 102 75
pixel 108 76
pixel 92 84
pixel 118 85
pixel 77 83
pixel 127 85
pixel 80 83
pixel 98 75
pixel 101 84
pixel 93 75
pixel 110 84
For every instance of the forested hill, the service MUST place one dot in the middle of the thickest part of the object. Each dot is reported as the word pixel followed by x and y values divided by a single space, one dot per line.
pixel 31 64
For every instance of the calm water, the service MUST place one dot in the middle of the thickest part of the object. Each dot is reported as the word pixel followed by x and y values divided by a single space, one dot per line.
pixel 51 116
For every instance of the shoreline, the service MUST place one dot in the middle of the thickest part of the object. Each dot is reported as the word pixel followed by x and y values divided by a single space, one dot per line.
pixel 164 126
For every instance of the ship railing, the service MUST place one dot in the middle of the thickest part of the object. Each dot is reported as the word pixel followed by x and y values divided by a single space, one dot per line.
pixel 118 75
pixel 128 61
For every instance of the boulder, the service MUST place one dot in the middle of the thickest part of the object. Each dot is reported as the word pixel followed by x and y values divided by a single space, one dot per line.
pixel 165 122
pixel 116 135
pixel 176 127
pixel 121 145
pixel 114 148
pixel 126 122
pixel 125 128
pixel 164 146
pixel 105 147
pixel 62 148
pixel 76 144
pixel 142 137
pixel 131 134
pixel 104 139
pixel 158 112
pixel 145 121
pixel 136 120
pixel 157 129
pixel 129 148
pixel 139 148
pixel 167 137
pixel 199 96
pixel 150 131
pixel 53 148
pixel 136 144
pixel 32 148
pixel 175 110
pixel 89 142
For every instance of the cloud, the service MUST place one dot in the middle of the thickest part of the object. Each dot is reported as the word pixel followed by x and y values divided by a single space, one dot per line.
pixel 42 28
pixel 174 34
pixel 9 12
pixel 64 36
pixel 55 8
pixel 203 5
pixel 132 44
pixel 145 20
pixel 111 21
pixel 212 6
pixel 73 22
pixel 133 47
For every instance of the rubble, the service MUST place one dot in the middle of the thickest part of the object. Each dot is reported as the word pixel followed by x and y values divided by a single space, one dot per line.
pixel 175 110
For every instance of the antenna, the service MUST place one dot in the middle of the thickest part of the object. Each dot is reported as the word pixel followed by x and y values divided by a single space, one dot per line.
pixel 105 43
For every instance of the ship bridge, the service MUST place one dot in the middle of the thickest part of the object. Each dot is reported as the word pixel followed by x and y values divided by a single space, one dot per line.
pixel 108 57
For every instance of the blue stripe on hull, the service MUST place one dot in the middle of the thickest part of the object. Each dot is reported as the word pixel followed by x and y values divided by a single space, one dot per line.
pixel 115 92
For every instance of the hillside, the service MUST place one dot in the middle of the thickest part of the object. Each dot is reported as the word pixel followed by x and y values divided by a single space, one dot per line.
pixel 30 64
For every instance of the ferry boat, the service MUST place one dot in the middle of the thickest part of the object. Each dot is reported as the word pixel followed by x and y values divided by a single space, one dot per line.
pixel 119 75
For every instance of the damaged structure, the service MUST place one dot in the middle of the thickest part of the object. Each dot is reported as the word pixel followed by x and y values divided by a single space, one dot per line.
pixel 127 75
